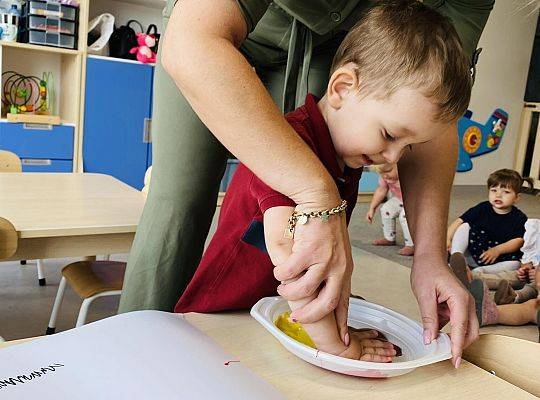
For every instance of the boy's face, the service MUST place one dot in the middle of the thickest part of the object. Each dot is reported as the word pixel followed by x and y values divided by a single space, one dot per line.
pixel 502 198
pixel 367 130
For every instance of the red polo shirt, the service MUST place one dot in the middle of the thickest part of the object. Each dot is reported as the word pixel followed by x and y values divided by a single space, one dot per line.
pixel 235 271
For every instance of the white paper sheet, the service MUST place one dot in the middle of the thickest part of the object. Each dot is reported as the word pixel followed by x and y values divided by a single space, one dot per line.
pixel 139 355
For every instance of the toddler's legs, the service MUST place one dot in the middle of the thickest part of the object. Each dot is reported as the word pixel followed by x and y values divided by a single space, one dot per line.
pixel 408 249
pixel 460 241
pixel 503 266
pixel 389 212
pixel 518 314
pixel 493 276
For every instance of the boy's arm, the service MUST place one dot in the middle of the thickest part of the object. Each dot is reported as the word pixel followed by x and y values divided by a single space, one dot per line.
pixel 324 332
pixel 491 255
pixel 451 231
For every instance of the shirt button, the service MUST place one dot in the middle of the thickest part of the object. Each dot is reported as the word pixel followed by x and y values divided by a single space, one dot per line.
pixel 336 17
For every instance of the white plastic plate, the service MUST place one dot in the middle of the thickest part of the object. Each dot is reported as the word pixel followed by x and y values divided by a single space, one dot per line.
pixel 400 330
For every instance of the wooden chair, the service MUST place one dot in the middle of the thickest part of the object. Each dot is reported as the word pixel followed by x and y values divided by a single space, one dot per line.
pixel 90 280
pixel 10 162
pixel 509 358
pixel 8 242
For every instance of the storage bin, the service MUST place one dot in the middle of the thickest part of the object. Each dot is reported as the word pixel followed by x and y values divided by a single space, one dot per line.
pixel 51 25
pixel 49 39
pixel 51 9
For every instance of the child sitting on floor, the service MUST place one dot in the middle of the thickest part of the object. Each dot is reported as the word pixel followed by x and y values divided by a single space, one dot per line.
pixel 492 231
pixel 526 274
pixel 373 109
pixel 391 210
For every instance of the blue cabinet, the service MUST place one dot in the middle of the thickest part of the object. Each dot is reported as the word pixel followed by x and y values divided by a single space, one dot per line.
pixel 117 116
pixel 41 148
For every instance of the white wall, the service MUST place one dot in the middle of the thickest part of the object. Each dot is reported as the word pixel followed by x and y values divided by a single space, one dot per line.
pixel 149 12
pixel 500 82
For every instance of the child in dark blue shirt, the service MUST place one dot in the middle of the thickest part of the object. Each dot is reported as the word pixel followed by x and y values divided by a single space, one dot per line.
pixel 492 231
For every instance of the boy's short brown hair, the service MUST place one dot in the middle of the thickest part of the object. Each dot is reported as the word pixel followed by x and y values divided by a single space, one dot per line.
pixel 506 178
pixel 406 43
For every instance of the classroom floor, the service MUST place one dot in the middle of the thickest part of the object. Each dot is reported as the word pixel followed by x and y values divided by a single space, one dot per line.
pixel 25 307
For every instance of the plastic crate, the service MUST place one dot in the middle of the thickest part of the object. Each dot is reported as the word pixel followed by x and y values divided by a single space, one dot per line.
pixel 51 9
pixel 48 24
pixel 49 39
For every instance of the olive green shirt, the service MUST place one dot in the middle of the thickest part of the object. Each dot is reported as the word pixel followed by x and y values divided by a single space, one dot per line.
pixel 269 22
pixel 275 37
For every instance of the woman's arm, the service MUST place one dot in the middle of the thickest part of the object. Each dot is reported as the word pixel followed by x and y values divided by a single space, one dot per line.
pixel 324 333
pixel 200 52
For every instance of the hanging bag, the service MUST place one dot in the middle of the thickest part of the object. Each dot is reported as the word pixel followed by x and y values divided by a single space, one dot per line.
pixel 152 30
pixel 123 40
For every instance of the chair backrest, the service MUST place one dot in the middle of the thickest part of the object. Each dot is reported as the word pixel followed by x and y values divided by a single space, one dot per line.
pixel 9 162
pixel 8 239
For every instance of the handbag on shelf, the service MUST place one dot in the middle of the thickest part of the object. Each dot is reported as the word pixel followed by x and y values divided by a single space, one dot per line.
pixel 123 39
pixel 152 30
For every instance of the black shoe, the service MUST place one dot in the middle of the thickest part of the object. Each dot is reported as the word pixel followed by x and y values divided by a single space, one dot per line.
pixel 459 266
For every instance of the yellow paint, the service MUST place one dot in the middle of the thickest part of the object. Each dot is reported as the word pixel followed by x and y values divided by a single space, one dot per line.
pixel 294 330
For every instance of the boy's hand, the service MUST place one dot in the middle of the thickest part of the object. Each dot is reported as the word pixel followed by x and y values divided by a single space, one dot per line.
pixel 367 346
pixel 490 256
pixel 449 244
pixel 369 215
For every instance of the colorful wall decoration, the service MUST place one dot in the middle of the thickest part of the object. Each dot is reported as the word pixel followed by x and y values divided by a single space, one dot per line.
pixel 476 139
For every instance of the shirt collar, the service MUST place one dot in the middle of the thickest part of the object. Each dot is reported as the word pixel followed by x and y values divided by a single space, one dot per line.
pixel 323 142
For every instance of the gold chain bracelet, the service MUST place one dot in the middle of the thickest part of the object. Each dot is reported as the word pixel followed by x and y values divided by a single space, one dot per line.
pixel 303 217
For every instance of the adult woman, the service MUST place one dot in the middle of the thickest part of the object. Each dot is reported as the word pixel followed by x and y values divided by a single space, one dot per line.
pixel 221 55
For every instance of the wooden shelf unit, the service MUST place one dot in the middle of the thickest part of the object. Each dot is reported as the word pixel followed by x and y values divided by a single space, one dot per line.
pixel 66 66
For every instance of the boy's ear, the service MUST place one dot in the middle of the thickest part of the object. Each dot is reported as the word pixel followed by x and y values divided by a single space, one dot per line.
pixel 343 83
pixel 518 197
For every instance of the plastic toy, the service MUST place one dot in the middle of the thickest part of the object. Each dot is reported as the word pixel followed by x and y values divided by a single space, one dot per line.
pixel 476 139
pixel 26 94
pixel 144 50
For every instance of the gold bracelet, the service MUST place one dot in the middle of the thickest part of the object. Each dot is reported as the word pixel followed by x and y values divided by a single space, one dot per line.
pixel 302 218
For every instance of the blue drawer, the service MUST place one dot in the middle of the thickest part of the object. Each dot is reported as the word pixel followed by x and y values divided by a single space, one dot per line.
pixel 46 165
pixel 37 141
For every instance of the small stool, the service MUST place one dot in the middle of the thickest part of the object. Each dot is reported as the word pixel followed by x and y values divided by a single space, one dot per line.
pixel 90 280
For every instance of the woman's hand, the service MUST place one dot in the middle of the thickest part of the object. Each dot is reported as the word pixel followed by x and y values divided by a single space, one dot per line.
pixel 442 298
pixel 321 258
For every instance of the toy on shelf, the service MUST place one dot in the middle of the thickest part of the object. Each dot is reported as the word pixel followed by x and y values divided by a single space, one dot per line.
pixel 144 49
pixel 476 139
pixel 26 98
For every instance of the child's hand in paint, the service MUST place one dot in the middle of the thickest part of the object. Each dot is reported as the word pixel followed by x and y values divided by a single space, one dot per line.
pixel 368 345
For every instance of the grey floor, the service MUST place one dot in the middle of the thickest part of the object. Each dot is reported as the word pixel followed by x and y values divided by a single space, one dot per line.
pixel 25 307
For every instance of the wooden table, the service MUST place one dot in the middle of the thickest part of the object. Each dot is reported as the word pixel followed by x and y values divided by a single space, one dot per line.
pixel 69 215
pixel 247 341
